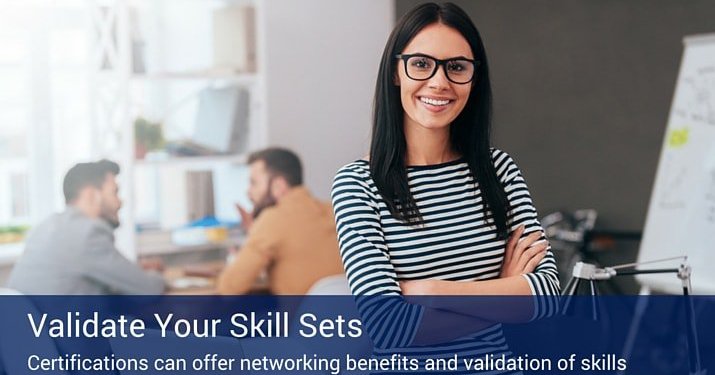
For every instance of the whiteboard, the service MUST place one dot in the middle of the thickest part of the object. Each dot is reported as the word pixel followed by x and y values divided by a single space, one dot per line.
pixel 681 212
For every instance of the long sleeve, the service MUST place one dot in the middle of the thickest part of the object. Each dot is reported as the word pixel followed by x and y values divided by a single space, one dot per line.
pixel 104 265
pixel 253 258
pixel 390 320
pixel 544 281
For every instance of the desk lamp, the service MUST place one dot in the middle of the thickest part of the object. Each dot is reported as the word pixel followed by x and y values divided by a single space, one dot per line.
pixel 588 272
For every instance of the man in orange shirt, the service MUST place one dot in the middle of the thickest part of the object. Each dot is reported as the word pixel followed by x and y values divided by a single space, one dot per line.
pixel 291 235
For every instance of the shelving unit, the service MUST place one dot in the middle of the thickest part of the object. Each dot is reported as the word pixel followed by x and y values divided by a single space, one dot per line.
pixel 124 87
pixel 193 162
pixel 320 110
pixel 245 79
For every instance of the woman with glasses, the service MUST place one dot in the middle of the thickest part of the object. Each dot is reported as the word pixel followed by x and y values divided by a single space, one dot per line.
pixel 435 210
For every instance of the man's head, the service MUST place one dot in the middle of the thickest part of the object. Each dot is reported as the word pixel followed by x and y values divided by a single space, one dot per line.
pixel 274 172
pixel 92 187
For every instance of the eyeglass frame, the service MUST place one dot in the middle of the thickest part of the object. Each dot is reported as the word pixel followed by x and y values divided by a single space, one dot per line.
pixel 438 62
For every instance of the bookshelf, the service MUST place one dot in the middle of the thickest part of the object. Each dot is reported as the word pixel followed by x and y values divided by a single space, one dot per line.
pixel 152 64
pixel 321 111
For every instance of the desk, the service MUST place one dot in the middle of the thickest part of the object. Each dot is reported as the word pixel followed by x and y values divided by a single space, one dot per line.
pixel 200 279
pixel 184 280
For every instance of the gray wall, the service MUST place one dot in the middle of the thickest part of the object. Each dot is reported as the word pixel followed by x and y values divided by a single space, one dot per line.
pixel 582 90
pixel 321 66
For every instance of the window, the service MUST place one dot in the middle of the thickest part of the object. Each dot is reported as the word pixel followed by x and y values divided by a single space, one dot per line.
pixel 44 106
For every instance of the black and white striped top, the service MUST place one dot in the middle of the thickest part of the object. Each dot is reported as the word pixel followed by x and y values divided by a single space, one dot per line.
pixel 455 243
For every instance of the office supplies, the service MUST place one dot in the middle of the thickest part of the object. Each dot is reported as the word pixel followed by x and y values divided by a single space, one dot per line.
pixel 234 39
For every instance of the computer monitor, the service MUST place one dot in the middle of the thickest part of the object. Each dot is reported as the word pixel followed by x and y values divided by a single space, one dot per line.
pixel 222 120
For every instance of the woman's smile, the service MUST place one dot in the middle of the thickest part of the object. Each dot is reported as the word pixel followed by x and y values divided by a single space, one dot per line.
pixel 435 104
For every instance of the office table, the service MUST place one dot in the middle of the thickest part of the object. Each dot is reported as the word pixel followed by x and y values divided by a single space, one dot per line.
pixel 200 279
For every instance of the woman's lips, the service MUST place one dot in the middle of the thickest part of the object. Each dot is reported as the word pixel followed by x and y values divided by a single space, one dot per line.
pixel 434 104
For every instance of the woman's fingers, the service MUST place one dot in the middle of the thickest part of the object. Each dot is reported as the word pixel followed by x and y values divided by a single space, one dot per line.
pixel 537 250
pixel 523 254
pixel 525 243
pixel 511 244
pixel 534 261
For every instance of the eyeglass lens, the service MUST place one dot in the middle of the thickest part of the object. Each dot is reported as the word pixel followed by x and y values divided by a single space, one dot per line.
pixel 423 67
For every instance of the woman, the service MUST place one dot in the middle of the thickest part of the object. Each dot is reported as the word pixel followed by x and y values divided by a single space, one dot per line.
pixel 431 210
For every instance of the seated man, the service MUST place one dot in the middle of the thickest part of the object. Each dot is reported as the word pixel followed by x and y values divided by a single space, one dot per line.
pixel 291 235
pixel 73 252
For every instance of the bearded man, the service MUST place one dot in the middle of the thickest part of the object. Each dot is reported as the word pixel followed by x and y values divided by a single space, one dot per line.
pixel 73 252
pixel 291 235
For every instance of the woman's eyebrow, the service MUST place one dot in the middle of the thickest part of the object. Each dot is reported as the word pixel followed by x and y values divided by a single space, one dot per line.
pixel 449 58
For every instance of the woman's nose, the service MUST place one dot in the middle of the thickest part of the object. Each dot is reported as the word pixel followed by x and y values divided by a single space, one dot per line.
pixel 439 80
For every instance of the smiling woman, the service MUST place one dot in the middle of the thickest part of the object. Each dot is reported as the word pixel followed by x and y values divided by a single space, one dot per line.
pixel 430 98
pixel 436 210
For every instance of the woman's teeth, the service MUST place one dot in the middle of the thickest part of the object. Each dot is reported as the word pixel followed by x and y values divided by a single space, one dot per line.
pixel 434 101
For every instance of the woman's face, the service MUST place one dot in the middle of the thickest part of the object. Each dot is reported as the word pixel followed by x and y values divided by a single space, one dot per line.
pixel 433 104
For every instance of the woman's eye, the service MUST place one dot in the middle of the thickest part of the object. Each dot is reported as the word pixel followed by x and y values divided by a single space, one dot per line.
pixel 456 66
pixel 421 63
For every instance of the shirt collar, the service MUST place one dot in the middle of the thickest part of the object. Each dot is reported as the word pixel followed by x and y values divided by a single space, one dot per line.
pixel 295 194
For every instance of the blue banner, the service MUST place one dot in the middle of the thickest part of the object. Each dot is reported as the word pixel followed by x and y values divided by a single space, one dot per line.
pixel 343 334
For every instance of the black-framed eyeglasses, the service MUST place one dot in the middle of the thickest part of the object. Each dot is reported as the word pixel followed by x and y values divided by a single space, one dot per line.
pixel 421 67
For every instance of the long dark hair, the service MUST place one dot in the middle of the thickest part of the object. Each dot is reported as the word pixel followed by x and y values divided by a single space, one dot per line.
pixel 469 132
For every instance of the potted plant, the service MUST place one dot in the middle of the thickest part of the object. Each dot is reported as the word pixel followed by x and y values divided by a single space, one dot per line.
pixel 148 136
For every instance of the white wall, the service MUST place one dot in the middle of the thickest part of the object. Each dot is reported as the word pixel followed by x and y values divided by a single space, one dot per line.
pixel 321 61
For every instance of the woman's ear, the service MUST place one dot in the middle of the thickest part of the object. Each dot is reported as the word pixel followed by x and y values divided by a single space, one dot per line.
pixel 396 79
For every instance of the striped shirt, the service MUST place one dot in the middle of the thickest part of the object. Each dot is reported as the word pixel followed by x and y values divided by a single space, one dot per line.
pixel 456 242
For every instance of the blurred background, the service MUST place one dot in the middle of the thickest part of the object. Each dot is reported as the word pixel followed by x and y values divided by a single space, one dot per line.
pixel 178 92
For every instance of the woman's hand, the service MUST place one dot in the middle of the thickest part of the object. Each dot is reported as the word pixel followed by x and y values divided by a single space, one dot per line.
pixel 522 255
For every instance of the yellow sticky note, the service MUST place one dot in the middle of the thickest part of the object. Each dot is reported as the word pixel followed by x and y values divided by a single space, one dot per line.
pixel 678 137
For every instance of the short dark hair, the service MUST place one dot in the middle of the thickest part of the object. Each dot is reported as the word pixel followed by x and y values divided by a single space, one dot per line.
pixel 281 162
pixel 87 174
